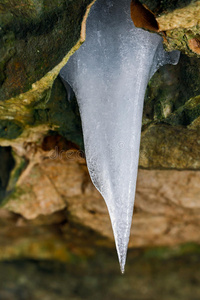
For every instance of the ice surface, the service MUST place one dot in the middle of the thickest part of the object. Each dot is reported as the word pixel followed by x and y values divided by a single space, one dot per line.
pixel 109 75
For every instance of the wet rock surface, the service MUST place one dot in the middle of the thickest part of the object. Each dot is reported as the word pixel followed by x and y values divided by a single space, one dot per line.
pixel 34 38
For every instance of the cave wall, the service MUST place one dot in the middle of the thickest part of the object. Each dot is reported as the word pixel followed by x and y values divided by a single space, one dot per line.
pixel 41 135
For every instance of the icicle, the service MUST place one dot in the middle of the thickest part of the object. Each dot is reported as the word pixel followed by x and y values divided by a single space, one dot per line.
pixel 109 75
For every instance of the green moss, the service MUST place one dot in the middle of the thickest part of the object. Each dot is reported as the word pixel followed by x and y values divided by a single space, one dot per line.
pixel 186 114
pixel 7 50
pixel 178 38
pixel 42 33
pixel 170 252
pixel 10 129
pixel 6 165
pixel 15 195
pixel 168 92
pixel 42 100
pixel 61 113
pixel 20 165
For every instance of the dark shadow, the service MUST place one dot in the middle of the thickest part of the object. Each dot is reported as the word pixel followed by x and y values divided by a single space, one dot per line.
pixel 6 165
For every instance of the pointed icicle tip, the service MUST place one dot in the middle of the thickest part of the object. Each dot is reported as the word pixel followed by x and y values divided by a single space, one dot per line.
pixel 122 262
pixel 121 243
pixel 122 268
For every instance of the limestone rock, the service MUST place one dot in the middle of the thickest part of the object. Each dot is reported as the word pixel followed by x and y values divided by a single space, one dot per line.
pixel 168 147
pixel 179 21
pixel 167 206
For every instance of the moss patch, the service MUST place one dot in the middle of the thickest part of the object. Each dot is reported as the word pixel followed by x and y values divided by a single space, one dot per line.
pixel 10 129
pixel 35 35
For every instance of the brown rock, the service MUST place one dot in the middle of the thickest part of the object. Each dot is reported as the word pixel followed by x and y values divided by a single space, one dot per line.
pixel 167 206
pixel 185 17
pixel 143 17
pixel 36 196
pixel 170 147
pixel 166 210
pixel 194 45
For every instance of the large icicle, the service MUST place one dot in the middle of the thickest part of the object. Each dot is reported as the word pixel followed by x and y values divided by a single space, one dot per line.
pixel 109 75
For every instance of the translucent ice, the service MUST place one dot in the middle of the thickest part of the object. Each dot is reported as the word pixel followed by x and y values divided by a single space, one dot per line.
pixel 109 75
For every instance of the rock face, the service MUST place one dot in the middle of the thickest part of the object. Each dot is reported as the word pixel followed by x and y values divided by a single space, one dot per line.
pixel 36 42
pixel 45 189
pixel 167 207
pixel 179 21
pixel 35 36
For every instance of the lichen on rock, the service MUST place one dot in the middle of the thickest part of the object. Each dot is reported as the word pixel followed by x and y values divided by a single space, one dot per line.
pixel 179 21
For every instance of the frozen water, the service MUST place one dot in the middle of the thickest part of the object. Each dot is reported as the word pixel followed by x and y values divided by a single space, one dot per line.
pixel 109 75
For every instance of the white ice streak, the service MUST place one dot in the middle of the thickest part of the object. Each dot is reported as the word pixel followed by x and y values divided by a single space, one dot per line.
pixel 109 75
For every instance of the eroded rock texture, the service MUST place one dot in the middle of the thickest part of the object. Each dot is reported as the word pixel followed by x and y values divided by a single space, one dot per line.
pixel 179 21
pixel 55 190
pixel 35 36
